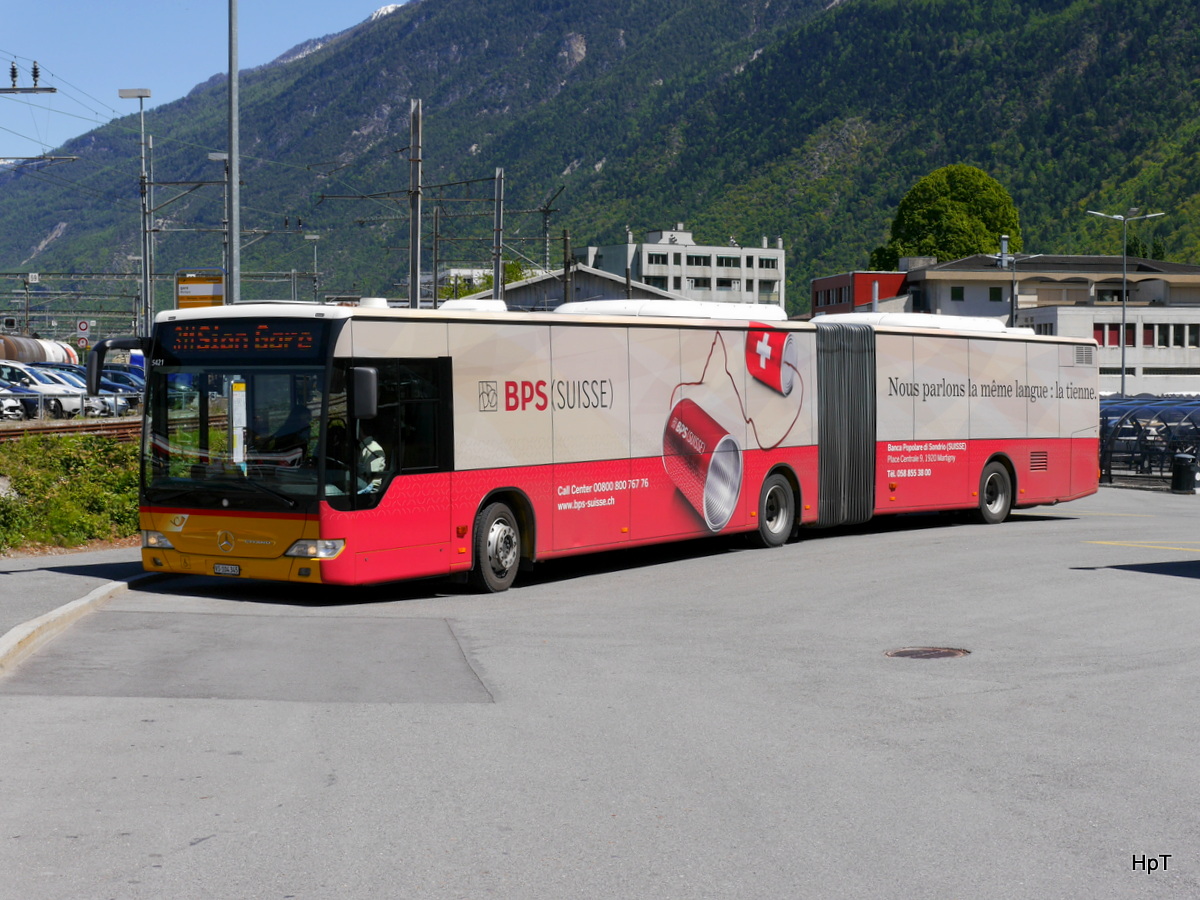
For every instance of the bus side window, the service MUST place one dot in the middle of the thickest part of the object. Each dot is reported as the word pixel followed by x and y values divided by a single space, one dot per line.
pixel 410 429
pixel 418 437
pixel 418 416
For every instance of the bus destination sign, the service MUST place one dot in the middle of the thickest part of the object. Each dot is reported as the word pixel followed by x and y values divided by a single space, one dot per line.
pixel 291 338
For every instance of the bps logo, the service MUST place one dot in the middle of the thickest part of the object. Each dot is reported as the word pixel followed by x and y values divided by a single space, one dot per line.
pixel 489 396
pixel 561 394
pixel 523 394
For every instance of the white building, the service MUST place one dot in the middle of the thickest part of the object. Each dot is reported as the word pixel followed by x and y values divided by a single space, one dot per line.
pixel 1071 296
pixel 673 262
pixel 1162 351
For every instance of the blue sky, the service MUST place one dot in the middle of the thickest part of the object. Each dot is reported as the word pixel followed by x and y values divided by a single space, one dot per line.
pixel 90 49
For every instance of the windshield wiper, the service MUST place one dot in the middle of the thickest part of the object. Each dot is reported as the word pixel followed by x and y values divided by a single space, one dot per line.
pixel 163 494
pixel 278 495
pixel 214 488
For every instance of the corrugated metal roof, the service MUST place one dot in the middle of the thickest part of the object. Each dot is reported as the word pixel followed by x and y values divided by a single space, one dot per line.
pixel 1065 265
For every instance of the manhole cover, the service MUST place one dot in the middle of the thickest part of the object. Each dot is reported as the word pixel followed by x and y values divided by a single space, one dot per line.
pixel 927 652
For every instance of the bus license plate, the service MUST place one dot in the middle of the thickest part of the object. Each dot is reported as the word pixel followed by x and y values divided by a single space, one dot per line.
pixel 223 569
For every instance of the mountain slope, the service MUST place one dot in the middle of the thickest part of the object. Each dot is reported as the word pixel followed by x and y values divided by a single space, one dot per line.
pixel 739 117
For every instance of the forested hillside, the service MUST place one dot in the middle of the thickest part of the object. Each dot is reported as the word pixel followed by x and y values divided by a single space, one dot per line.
pixel 738 117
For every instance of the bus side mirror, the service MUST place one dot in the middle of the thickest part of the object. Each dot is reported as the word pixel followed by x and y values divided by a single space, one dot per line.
pixel 364 382
pixel 95 360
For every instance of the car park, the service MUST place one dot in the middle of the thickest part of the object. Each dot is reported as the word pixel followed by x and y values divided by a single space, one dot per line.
pixel 88 405
pixel 103 405
pixel 56 398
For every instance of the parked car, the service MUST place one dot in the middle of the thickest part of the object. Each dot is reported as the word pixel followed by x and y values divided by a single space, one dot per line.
pixel 121 398
pixel 126 367
pixel 130 379
pixel 30 400
pixel 103 405
pixel 56 398
pixel 10 406
pixel 90 405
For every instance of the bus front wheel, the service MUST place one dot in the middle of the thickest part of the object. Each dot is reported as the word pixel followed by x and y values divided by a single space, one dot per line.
pixel 497 548
pixel 995 493
pixel 776 511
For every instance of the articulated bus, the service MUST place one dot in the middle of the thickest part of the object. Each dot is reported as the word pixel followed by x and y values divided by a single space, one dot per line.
pixel 355 445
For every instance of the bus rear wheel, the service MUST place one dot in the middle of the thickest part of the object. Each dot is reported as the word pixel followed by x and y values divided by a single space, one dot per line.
pixel 497 548
pixel 776 511
pixel 995 493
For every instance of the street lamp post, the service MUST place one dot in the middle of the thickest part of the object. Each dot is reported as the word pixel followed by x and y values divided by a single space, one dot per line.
pixel 1130 216
pixel 141 95
pixel 234 213
pixel 1006 260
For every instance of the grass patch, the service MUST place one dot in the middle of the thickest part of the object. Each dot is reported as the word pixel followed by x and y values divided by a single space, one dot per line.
pixel 66 490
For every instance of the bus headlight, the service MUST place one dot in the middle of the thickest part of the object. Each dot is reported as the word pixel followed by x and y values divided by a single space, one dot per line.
pixel 156 540
pixel 316 549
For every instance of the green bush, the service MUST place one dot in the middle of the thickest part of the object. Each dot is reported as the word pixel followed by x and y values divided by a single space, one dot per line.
pixel 67 490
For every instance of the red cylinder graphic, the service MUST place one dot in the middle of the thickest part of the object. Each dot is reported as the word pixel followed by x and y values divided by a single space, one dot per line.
pixel 705 462
pixel 771 359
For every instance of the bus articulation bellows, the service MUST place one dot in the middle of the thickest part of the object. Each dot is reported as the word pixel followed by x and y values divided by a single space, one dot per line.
pixel 356 445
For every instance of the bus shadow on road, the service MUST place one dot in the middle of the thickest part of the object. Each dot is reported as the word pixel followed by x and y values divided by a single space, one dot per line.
pixel 545 572
pixel 564 569
pixel 272 593
pixel 109 571
pixel 276 593
pixel 567 568
pixel 920 521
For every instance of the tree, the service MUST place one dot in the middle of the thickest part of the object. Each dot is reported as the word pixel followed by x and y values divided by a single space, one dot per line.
pixel 1138 247
pixel 956 211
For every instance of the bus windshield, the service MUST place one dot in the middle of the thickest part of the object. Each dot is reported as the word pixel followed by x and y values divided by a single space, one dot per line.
pixel 234 436
pixel 235 415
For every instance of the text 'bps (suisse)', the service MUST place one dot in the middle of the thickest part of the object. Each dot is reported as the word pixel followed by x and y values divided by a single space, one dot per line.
pixel 561 394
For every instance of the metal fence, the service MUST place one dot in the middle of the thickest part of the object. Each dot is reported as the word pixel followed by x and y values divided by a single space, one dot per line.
pixel 1141 436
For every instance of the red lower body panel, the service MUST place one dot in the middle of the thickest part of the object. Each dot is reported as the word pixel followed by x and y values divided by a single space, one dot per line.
pixel 423 526
pixel 920 475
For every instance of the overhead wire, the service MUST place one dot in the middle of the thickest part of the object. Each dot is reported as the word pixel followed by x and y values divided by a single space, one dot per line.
pixel 102 115
pixel 71 95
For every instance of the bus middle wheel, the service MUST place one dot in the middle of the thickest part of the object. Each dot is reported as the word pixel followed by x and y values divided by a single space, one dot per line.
pixel 497 548
pixel 776 511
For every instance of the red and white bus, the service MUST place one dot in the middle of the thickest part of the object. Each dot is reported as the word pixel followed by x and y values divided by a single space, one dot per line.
pixel 354 445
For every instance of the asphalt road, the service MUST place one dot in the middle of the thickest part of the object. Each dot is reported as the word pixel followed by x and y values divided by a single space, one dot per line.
pixel 696 721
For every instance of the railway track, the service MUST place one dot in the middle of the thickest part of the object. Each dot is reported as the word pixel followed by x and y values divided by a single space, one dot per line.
pixel 126 428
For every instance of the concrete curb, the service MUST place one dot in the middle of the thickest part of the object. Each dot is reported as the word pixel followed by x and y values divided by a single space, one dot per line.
pixel 23 640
